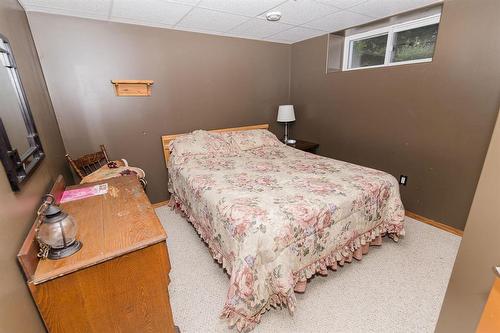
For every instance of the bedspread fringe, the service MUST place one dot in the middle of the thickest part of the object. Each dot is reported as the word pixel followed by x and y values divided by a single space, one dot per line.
pixel 355 248
pixel 215 251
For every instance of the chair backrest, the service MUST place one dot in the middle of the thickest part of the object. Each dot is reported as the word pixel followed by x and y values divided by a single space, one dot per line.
pixel 89 163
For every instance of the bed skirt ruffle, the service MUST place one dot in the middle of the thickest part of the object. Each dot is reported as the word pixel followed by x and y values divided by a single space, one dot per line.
pixel 354 248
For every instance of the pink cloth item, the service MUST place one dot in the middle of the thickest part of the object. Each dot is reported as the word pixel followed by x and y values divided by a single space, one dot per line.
pixel 85 192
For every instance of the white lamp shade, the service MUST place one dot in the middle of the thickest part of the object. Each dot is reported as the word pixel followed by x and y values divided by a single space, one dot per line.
pixel 286 113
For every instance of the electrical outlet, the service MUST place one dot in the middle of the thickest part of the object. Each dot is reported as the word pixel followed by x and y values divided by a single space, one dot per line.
pixel 403 180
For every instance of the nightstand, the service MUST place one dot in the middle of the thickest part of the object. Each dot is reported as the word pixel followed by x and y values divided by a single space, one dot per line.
pixel 310 147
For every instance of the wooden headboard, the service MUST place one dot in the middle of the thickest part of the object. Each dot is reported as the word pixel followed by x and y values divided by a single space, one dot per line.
pixel 165 139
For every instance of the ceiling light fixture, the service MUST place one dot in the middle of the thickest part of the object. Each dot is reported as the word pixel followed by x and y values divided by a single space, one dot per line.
pixel 273 16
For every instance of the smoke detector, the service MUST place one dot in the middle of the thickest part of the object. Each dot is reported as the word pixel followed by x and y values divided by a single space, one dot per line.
pixel 273 16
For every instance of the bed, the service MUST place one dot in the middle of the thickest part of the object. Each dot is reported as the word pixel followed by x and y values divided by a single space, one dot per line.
pixel 274 216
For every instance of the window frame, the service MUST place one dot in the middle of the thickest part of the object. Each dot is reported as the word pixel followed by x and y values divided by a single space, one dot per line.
pixel 390 31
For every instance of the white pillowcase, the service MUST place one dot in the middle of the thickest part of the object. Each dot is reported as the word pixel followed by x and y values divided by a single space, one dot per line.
pixel 201 143
pixel 251 139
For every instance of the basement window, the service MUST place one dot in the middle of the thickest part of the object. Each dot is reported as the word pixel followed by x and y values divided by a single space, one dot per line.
pixel 409 42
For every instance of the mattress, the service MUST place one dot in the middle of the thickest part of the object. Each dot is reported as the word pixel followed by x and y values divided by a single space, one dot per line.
pixel 274 216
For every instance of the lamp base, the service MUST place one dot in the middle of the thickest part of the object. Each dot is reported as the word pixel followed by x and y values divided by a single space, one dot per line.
pixel 55 254
pixel 285 139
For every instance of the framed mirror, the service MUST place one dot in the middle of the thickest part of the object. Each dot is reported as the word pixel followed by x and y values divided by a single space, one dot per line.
pixel 20 147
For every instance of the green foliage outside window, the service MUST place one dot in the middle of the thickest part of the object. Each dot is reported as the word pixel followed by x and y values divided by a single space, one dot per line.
pixel 408 45
pixel 415 43
pixel 373 46
pixel 369 51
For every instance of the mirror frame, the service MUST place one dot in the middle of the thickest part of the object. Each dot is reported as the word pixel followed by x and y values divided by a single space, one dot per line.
pixel 18 167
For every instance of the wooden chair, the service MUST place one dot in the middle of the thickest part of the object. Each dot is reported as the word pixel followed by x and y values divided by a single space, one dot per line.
pixel 89 163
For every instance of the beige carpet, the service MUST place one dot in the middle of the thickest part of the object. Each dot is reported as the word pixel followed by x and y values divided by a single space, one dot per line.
pixel 398 287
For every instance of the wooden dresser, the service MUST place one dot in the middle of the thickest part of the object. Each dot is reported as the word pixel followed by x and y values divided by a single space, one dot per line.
pixel 118 281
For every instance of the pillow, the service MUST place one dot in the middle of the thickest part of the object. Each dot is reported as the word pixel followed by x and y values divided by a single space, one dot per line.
pixel 251 139
pixel 201 143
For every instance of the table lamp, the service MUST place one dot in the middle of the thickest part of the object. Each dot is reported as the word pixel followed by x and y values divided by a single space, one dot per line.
pixel 286 114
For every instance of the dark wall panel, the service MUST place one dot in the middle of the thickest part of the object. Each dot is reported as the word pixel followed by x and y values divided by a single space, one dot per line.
pixel 18 313
pixel 431 122
pixel 201 81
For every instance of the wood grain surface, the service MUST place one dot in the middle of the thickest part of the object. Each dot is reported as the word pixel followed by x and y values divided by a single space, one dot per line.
pixel 118 281
pixel 127 294
pixel 109 225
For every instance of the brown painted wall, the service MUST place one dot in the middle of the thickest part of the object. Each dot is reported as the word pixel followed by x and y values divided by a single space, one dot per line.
pixel 17 210
pixel 432 122
pixel 472 276
pixel 201 81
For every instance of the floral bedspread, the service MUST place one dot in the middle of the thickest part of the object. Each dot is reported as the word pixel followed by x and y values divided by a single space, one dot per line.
pixel 274 216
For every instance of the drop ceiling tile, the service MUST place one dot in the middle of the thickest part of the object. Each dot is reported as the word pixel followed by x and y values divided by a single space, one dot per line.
pixel 259 28
pixel 276 40
pixel 200 31
pixel 185 2
pixel 250 8
pixel 89 8
pixel 343 4
pixel 297 34
pixel 302 11
pixel 383 8
pixel 154 11
pixel 210 20
pixel 339 21
pixel 234 17
pixel 141 22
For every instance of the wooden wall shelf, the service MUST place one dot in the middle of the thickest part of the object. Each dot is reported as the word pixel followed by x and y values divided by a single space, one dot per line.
pixel 132 87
